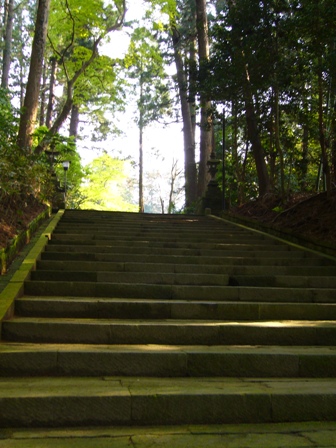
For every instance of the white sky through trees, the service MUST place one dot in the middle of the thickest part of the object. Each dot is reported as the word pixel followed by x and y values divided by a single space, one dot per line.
pixel 162 144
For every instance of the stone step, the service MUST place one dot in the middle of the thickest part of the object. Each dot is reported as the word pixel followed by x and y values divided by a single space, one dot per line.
pixel 159 240
pixel 88 307
pixel 177 332
pixel 144 246
pixel 230 251
pixel 162 278
pixel 166 361
pixel 133 277
pixel 247 260
pixel 87 266
pixel 178 292
pixel 79 401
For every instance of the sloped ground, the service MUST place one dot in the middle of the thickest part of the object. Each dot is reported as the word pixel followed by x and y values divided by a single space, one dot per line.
pixel 311 217
pixel 16 215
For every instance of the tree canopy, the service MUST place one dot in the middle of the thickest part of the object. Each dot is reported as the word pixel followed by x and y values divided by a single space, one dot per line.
pixel 263 72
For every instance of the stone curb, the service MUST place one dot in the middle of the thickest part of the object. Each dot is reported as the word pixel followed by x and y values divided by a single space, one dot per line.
pixel 8 253
pixel 281 236
pixel 14 288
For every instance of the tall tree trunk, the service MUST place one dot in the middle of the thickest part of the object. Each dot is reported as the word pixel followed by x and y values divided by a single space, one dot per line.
pixel 190 172
pixel 251 119
pixel 324 155
pixel 206 116
pixel 43 96
pixel 51 92
pixel 7 50
pixel 254 138
pixel 277 141
pixel 141 130
pixel 28 117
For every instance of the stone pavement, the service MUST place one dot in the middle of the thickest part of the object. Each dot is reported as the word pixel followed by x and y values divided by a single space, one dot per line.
pixel 281 435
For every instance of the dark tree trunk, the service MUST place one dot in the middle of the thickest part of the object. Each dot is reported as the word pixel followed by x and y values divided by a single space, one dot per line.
pixel 206 116
pixel 190 171
pixel 51 92
pixel 251 119
pixel 28 117
pixel 7 51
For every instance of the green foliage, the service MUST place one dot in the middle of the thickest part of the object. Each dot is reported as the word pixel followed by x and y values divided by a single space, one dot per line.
pixel 21 174
pixel 106 185
pixel 283 44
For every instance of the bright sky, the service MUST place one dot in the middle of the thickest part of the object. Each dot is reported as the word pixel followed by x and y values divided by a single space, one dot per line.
pixel 165 142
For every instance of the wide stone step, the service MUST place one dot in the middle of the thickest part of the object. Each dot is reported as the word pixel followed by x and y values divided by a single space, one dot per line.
pixel 228 269
pixel 166 361
pixel 178 332
pixel 132 277
pixel 230 251
pixel 247 260
pixel 178 292
pixel 113 234
pixel 38 402
pixel 88 307
pixel 150 246
pixel 163 278
pixel 179 243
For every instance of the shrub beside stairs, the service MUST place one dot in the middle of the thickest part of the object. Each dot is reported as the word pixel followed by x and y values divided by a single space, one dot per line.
pixel 137 319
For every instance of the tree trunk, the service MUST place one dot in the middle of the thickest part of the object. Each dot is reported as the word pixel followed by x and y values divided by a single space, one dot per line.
pixel 28 117
pixel 141 129
pixel 51 92
pixel 190 172
pixel 251 119
pixel 74 121
pixel 324 156
pixel 43 96
pixel 206 116
pixel 7 51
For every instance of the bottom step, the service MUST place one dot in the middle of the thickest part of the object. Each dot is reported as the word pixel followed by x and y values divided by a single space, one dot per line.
pixel 280 435
pixel 51 402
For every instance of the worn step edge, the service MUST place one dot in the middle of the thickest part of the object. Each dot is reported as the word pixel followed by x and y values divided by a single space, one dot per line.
pixel 166 361
pixel 87 307
pixel 118 400
pixel 178 292
pixel 179 332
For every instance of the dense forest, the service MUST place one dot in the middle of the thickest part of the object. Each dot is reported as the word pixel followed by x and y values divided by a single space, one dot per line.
pixel 253 85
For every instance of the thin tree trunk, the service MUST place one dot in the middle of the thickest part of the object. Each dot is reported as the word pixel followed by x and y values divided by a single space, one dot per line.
pixel 277 141
pixel 141 129
pixel 206 115
pixel 28 117
pixel 74 121
pixel 190 172
pixel 251 119
pixel 7 51
pixel 325 161
pixel 254 138
pixel 43 96
pixel 51 92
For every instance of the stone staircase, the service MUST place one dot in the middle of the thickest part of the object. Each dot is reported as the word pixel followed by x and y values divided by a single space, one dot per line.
pixel 134 319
